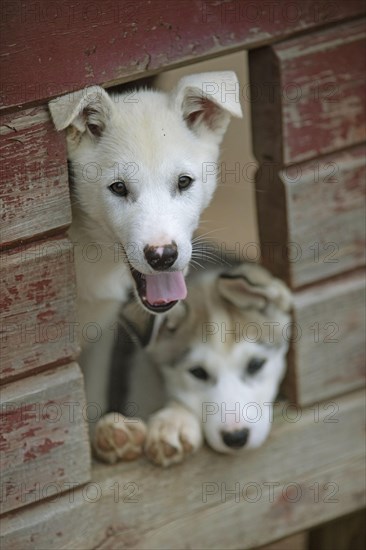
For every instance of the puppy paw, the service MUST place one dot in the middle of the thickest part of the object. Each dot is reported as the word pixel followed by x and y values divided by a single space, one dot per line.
pixel 118 438
pixel 172 434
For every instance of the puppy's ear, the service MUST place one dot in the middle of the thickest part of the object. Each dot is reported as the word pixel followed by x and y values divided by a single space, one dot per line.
pixel 207 101
pixel 88 109
pixel 249 286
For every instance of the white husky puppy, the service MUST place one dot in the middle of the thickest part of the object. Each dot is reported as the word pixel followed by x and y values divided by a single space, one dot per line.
pixel 222 356
pixel 141 172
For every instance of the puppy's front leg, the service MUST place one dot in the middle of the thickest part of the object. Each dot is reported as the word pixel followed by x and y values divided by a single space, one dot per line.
pixel 173 433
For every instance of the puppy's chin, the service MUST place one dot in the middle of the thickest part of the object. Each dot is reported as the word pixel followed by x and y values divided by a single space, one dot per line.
pixel 154 309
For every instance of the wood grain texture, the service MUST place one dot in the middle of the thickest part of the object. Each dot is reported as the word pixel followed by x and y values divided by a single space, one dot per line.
pixel 295 542
pixel 328 351
pixel 308 94
pixel 311 216
pixel 346 533
pixel 37 304
pixel 44 441
pixel 49 48
pixel 34 192
pixel 139 506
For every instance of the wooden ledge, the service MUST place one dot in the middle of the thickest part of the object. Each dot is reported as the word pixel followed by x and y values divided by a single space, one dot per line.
pixel 310 471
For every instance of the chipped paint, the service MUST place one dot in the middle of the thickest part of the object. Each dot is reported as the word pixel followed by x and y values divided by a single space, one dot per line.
pixel 165 38
pixel 35 451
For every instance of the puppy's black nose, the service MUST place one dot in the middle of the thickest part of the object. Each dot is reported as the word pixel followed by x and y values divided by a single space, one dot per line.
pixel 236 439
pixel 161 257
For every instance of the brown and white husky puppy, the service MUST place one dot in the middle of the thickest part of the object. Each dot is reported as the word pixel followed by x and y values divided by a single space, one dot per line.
pixel 214 365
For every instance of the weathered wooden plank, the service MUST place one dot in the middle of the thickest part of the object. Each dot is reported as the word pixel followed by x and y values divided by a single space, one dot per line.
pixel 233 523
pixel 310 471
pixel 308 94
pixel 44 439
pixel 34 193
pixel 328 350
pixel 345 533
pixel 311 216
pixel 132 38
pixel 37 305
pixel 295 542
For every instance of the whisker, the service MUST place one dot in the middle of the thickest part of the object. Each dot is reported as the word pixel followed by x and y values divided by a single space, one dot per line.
pixel 202 237
pixel 210 258
pixel 194 264
pixel 205 251
pixel 211 231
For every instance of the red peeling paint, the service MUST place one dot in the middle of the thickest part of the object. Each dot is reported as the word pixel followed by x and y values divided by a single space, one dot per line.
pixel 42 449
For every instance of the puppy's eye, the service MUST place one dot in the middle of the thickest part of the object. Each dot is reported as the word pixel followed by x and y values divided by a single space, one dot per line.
pixel 95 130
pixel 184 182
pixel 119 188
pixel 255 365
pixel 199 372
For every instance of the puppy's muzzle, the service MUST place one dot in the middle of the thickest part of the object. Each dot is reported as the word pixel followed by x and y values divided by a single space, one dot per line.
pixel 161 257
pixel 236 439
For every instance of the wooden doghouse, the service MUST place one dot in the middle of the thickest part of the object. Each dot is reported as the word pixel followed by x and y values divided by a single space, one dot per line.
pixel 307 71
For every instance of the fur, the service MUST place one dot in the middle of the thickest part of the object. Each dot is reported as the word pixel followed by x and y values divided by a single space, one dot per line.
pixel 222 326
pixel 147 141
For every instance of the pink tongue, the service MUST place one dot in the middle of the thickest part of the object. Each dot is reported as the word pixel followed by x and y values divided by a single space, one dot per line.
pixel 165 287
